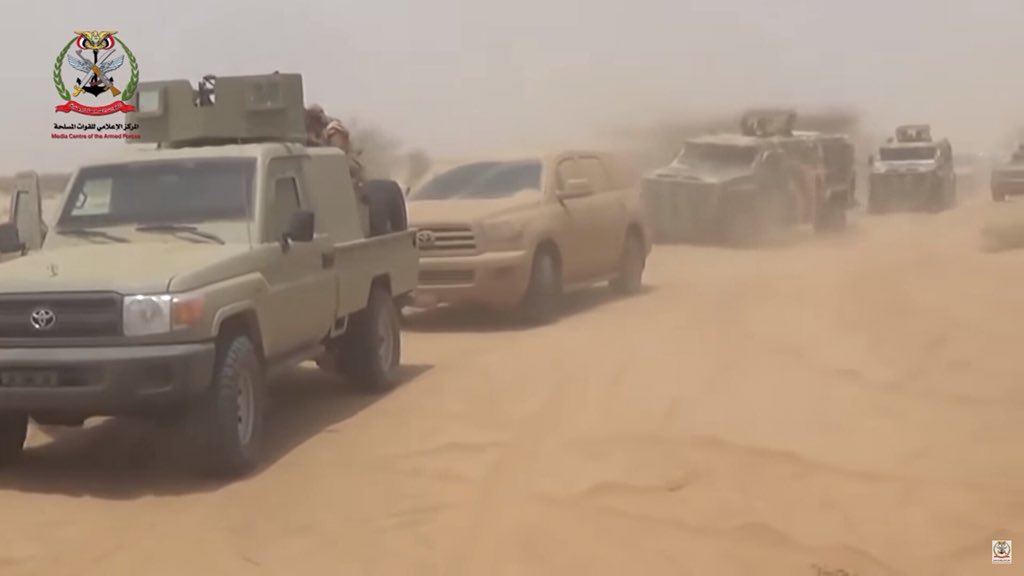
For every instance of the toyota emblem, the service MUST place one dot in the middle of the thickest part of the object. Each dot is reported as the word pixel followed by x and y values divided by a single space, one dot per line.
pixel 42 319
pixel 425 238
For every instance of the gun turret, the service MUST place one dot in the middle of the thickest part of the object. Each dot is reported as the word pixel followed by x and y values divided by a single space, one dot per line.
pixel 914 133
pixel 768 122
pixel 220 110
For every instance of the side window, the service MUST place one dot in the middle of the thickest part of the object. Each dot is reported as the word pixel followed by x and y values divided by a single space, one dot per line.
pixel 286 203
pixel 568 169
pixel 596 173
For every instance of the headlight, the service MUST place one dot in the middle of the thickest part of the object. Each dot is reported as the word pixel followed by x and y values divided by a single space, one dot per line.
pixel 502 231
pixel 159 314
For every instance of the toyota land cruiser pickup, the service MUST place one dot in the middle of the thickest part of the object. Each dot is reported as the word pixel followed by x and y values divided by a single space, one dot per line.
pixel 181 278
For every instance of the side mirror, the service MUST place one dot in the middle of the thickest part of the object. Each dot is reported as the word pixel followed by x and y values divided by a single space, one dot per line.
pixel 577 188
pixel 10 243
pixel 302 227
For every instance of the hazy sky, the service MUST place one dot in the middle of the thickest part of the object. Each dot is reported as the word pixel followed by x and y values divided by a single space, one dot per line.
pixel 455 76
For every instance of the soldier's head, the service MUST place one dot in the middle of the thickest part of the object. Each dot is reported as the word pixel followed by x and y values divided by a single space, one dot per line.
pixel 315 117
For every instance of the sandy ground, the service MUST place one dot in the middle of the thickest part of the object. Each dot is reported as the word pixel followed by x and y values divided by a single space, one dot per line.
pixel 829 404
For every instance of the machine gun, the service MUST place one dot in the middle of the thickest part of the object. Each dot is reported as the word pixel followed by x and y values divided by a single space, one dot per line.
pixel 767 122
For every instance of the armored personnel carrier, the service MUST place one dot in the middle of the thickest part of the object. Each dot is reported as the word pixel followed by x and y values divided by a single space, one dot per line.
pixel 179 275
pixel 912 172
pixel 733 188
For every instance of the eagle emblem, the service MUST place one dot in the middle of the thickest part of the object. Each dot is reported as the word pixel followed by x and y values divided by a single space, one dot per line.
pixel 95 56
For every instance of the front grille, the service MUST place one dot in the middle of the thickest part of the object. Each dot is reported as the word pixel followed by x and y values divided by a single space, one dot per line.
pixel 676 208
pixel 446 239
pixel 92 315
pixel 446 277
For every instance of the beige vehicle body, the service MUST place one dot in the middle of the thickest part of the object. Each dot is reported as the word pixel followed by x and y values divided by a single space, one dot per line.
pixel 125 309
pixel 582 205
pixel 295 296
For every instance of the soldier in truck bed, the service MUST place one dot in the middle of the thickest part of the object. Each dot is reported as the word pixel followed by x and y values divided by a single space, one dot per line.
pixel 323 130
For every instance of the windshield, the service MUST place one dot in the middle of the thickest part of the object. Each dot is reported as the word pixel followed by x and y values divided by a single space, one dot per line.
pixel 908 154
pixel 482 180
pixel 161 192
pixel 717 155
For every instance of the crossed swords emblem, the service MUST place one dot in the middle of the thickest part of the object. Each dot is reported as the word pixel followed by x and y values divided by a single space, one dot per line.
pixel 97 72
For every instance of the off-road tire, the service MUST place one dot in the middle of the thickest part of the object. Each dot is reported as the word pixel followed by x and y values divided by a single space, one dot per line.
pixel 629 279
pixel 831 218
pixel 238 379
pixel 544 292
pixel 386 204
pixel 370 351
pixel 13 432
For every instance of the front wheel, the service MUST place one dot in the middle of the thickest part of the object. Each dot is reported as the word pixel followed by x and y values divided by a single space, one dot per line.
pixel 545 289
pixel 13 431
pixel 229 418
pixel 631 266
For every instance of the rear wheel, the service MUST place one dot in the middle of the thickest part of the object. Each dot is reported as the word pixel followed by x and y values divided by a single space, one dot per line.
pixel 831 216
pixel 370 351
pixel 13 431
pixel 631 266
pixel 545 289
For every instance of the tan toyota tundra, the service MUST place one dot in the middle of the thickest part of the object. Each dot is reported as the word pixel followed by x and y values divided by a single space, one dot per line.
pixel 520 232
pixel 177 280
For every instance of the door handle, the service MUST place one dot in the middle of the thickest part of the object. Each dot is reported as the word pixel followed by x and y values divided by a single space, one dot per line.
pixel 327 260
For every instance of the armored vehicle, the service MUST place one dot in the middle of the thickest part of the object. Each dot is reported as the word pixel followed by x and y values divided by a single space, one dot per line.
pixel 177 278
pixel 519 232
pixel 912 172
pixel 735 187
pixel 1007 177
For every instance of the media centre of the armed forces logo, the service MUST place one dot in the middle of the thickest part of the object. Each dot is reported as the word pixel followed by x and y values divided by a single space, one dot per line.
pixel 95 74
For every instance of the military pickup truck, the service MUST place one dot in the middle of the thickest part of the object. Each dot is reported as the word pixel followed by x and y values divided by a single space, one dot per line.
pixel 177 280
pixel 912 172
pixel 507 233
pixel 735 188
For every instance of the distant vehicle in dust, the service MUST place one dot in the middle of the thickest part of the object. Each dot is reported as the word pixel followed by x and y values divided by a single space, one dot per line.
pixel 518 233
pixel 912 172
pixel 733 188
pixel 1007 177
pixel 972 171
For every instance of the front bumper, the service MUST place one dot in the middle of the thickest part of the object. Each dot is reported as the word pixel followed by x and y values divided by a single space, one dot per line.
pixel 681 211
pixel 496 279
pixel 105 381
